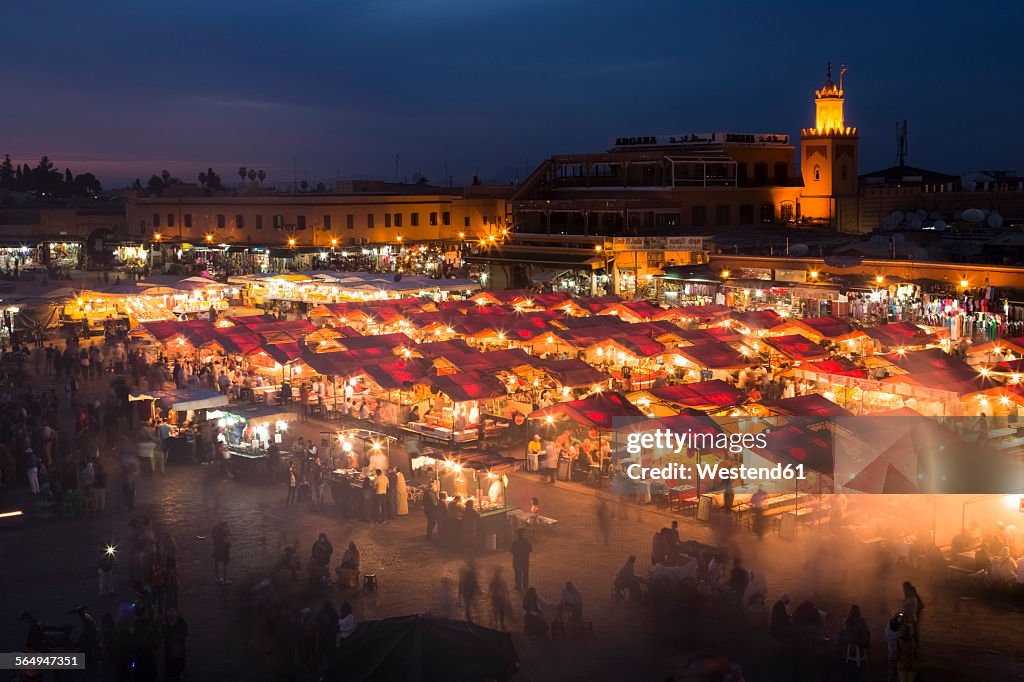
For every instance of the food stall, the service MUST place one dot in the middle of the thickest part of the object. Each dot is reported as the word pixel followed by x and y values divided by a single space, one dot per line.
pixel 457 409
pixel 181 403
pixel 478 475
pixel 355 455
pixel 249 432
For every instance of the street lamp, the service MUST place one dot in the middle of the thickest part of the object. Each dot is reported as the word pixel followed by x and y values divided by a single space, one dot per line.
pixel 964 283
pixel 291 242
pixel 209 238
pixel 725 274
pixel 879 279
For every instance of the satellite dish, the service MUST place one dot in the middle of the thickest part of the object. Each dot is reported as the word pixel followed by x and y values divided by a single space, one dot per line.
pixel 920 253
pixel 915 222
pixel 889 223
pixel 921 213
pixel 935 215
pixel 994 220
pixel 398 277
pixel 940 225
pixel 799 250
pixel 972 215
pixel 898 216
pixel 897 238
pixel 969 185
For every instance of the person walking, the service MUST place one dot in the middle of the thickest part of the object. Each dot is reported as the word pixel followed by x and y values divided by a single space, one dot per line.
pixel 604 521
pixel 550 470
pixel 293 484
pixel 430 511
pixel 221 552
pixel 501 603
pixel 520 550
pixel 32 470
pixel 392 494
pixel 105 571
pixel 380 485
pixel 99 485
pixel 469 588
pixel 172 583
pixel 175 633
pixel 327 631
pixel 401 494
pixel 757 504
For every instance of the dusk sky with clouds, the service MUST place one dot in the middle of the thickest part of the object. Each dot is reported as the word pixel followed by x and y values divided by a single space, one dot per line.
pixel 338 88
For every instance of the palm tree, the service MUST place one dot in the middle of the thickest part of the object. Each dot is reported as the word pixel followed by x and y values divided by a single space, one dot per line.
pixel 262 175
pixel 242 171
pixel 252 175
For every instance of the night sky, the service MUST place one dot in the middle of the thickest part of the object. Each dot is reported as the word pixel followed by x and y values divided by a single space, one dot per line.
pixel 338 88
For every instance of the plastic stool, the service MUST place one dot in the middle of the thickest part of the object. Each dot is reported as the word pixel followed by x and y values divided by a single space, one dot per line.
pixel 370 582
pixel 67 509
pixel 855 655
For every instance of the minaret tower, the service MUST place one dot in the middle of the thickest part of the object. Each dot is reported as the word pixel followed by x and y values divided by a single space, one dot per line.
pixel 828 152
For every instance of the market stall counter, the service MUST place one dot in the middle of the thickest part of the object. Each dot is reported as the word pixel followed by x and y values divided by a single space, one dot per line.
pixel 480 476
pixel 251 435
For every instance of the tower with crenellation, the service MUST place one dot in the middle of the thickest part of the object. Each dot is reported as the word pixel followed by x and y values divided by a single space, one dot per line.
pixel 829 154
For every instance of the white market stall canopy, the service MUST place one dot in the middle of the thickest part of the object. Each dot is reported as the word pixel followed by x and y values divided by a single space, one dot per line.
pixel 255 415
pixel 184 399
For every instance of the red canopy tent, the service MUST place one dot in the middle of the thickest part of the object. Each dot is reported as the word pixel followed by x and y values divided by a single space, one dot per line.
pixel 818 328
pixel 900 334
pixel 800 445
pixel 390 341
pixel 595 304
pixel 929 360
pixel 839 366
pixel 602 411
pixel 713 355
pixel 883 477
pixel 398 374
pixel 811 405
pixel 797 347
pixel 464 386
pixel 706 396
pixel 573 373
pixel 706 314
pixel 722 334
pixel 757 319
pixel 439 349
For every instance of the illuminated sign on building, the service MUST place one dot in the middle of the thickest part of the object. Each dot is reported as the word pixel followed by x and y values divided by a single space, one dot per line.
pixel 700 138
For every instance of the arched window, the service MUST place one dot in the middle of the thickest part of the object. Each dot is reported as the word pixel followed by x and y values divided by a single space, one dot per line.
pixel 817 173
pixel 842 173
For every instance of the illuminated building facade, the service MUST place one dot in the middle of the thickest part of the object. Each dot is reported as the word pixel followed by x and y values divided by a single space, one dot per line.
pixel 307 221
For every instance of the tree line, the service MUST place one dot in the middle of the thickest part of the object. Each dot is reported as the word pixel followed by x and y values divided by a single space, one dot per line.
pixel 209 180
pixel 45 179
